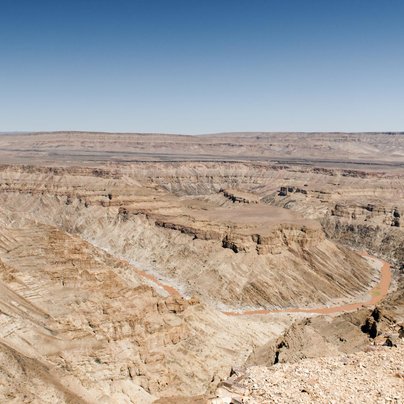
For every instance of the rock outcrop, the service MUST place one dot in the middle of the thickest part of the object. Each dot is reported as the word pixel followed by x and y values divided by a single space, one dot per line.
pixel 237 255
pixel 119 257
pixel 81 326
pixel 374 376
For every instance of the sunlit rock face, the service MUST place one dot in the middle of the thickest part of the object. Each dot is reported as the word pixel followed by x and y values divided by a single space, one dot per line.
pixel 116 274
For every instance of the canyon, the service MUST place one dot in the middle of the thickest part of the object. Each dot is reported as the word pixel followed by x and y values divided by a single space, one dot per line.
pixel 142 268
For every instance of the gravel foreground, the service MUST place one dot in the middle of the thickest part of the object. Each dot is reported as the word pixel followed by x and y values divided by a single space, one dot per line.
pixel 375 376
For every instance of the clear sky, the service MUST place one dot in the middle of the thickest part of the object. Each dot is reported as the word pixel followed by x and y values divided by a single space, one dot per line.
pixel 199 66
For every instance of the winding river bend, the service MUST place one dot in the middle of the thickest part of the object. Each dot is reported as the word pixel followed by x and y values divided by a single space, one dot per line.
pixel 377 293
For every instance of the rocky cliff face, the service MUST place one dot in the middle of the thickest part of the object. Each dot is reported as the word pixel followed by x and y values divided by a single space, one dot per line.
pixel 80 325
pixel 89 256
pixel 384 240
pixel 316 337
pixel 349 357
pixel 231 254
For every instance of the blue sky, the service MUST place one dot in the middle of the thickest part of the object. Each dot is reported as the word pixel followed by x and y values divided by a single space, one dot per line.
pixel 187 66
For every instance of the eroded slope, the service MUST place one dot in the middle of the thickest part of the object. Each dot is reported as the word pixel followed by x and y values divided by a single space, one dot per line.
pixel 75 243
pixel 233 255
pixel 86 322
